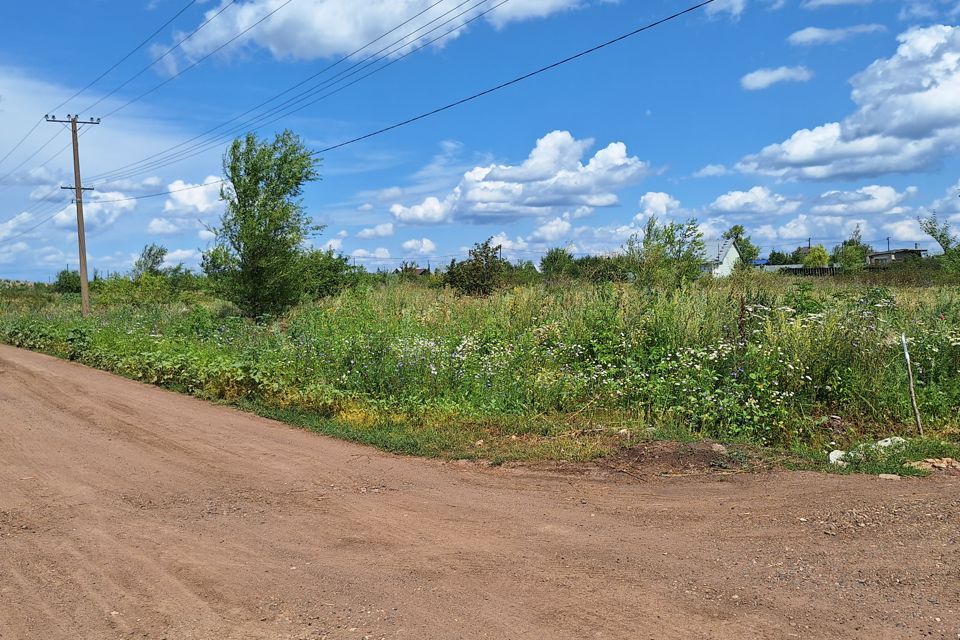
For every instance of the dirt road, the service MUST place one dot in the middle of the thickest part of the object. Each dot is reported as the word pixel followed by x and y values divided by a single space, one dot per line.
pixel 130 512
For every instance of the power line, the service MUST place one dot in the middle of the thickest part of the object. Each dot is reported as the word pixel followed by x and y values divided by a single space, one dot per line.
pixel 168 156
pixel 123 59
pixel 199 61
pixel 21 141
pixel 477 95
pixel 519 79
pixel 126 56
pixel 162 55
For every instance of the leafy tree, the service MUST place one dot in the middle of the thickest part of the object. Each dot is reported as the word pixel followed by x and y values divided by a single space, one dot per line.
pixel 778 257
pixel 851 254
pixel 668 255
pixel 817 257
pixel 150 260
pixel 67 282
pixel 256 257
pixel 747 250
pixel 949 242
pixel 481 273
pixel 557 263
pixel 325 273
pixel 523 272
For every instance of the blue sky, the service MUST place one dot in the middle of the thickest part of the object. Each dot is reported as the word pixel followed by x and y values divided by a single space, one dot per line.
pixel 795 118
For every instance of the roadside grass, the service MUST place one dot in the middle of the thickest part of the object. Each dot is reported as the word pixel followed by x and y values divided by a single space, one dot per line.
pixel 776 368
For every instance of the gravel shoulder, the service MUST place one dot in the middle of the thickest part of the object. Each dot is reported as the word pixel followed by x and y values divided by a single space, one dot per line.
pixel 127 511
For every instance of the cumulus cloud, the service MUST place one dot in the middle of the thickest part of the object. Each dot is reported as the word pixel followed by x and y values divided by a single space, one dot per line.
pixel 15 224
pixel 552 180
pixel 423 246
pixel 906 118
pixel 312 29
pixel 758 200
pixel 100 210
pixel 732 7
pixel 333 244
pixel 188 257
pixel 185 200
pixel 379 253
pixel 379 231
pixel 712 171
pixel 552 230
pixel 872 199
pixel 504 242
pixel 11 252
pixel 763 78
pixel 657 203
pixel 162 226
pixel 816 35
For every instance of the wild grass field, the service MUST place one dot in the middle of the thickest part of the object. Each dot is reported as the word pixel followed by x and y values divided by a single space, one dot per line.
pixel 567 370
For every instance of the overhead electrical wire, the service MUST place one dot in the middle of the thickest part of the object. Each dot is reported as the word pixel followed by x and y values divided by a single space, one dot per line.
pixel 168 156
pixel 198 61
pixel 102 75
pixel 475 96
pixel 126 57
pixel 163 55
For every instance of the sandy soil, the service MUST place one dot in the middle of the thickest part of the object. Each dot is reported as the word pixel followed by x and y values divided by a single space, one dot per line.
pixel 130 512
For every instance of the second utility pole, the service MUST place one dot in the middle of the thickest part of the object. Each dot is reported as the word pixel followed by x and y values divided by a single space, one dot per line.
pixel 78 198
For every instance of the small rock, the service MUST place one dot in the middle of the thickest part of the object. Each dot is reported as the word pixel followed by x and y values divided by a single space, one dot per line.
pixel 716 447
pixel 888 476
pixel 890 442
pixel 836 457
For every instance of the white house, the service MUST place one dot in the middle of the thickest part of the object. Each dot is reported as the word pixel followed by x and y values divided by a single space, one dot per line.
pixel 721 264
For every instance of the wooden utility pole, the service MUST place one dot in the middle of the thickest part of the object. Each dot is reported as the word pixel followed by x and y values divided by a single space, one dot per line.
pixel 78 188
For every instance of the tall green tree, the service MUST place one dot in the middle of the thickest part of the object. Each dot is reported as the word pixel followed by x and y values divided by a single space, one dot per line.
pixel 942 232
pixel 668 255
pixel 557 263
pixel 257 252
pixel 817 257
pixel 747 250
pixel 851 254
pixel 482 273
pixel 150 261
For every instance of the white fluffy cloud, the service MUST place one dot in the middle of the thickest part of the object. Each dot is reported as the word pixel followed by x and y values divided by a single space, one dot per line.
pixel 100 210
pixel 817 35
pixel 732 7
pixel 379 231
pixel 763 78
pixel 872 199
pixel 758 200
pixel 379 253
pixel 15 224
pixel 311 29
pixel 187 257
pixel 552 230
pixel 712 171
pixel 907 117
pixel 423 246
pixel 657 203
pixel 552 180
pixel 162 226
pixel 185 200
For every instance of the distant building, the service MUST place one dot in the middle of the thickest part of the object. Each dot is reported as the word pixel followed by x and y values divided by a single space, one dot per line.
pixel 412 271
pixel 895 256
pixel 721 264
